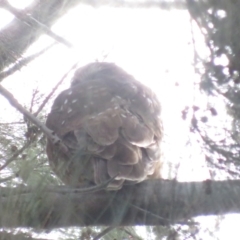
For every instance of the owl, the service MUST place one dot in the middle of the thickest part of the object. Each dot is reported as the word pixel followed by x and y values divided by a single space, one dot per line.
pixel 111 126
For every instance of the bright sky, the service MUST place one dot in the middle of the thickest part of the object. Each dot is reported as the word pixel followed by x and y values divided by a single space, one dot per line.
pixel 153 45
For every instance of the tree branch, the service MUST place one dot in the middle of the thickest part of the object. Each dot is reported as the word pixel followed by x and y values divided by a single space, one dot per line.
pixel 23 62
pixel 104 232
pixel 17 36
pixel 48 132
pixel 164 202
pixel 33 23
pixel 54 89
pixel 15 155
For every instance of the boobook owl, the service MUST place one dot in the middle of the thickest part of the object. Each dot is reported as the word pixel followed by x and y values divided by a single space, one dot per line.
pixel 111 126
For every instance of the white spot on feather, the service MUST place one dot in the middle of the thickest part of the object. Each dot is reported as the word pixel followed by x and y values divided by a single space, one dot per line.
pixel 149 101
pixel 133 87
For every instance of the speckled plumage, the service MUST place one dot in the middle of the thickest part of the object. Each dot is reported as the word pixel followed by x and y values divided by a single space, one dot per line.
pixel 111 124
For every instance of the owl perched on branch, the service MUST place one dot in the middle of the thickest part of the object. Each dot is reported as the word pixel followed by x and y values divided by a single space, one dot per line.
pixel 110 124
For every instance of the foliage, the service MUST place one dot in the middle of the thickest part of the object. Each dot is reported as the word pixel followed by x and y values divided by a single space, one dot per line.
pixel 219 71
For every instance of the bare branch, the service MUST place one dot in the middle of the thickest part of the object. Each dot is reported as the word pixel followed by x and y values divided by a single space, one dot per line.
pixel 54 89
pixel 23 62
pixel 48 132
pixel 104 232
pixel 34 94
pixel 15 155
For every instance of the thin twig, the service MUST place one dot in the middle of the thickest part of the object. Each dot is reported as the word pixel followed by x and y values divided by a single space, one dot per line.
pixel 23 62
pixel 48 132
pixel 61 189
pixel 158 217
pixel 146 211
pixel 33 23
pixel 104 232
pixel 35 92
pixel 54 89
pixel 134 236
pixel 15 155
